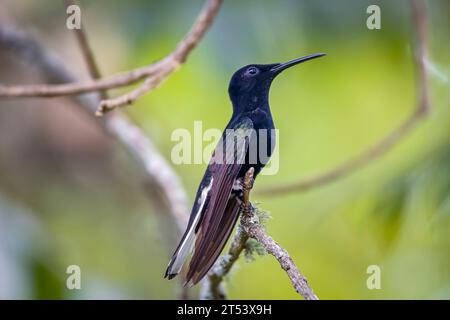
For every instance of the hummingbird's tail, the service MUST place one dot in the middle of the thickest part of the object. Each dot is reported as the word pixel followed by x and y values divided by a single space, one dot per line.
pixel 188 239
pixel 181 253
pixel 211 238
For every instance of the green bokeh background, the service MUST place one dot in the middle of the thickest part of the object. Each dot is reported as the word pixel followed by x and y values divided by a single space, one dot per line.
pixel 87 207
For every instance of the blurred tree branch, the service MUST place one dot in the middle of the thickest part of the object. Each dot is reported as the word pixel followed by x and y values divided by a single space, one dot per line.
pixel 118 125
pixel 153 74
pixel 86 51
pixel 419 19
pixel 250 227
pixel 94 72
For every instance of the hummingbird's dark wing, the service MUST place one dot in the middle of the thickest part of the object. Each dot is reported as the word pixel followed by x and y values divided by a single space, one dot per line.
pixel 222 210
pixel 215 211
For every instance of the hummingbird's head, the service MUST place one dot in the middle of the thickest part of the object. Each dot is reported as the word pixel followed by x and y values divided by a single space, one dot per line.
pixel 249 86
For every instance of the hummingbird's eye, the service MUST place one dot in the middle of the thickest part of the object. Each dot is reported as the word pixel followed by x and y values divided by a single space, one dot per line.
pixel 252 71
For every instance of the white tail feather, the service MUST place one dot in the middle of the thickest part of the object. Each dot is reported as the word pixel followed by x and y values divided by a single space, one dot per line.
pixel 177 261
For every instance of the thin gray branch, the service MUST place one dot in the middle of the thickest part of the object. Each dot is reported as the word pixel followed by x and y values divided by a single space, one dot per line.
pixel 250 227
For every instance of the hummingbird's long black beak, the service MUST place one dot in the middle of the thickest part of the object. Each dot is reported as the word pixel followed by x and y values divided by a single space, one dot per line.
pixel 283 66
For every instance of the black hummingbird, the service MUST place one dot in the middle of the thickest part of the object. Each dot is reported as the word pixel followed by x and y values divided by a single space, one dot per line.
pixel 219 196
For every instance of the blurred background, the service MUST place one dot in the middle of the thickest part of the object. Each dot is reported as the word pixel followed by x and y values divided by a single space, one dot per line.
pixel 70 195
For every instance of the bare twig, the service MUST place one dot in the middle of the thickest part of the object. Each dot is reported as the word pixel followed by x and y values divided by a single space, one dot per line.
pixel 72 88
pixel 154 73
pixel 250 227
pixel 88 55
pixel 141 148
pixel 384 145
pixel 150 83
pixel 171 62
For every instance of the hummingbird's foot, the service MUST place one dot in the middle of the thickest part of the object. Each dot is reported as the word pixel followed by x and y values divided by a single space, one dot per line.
pixel 247 186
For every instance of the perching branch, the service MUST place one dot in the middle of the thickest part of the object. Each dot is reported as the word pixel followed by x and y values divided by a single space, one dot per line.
pixel 368 156
pixel 153 74
pixel 158 171
pixel 250 227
